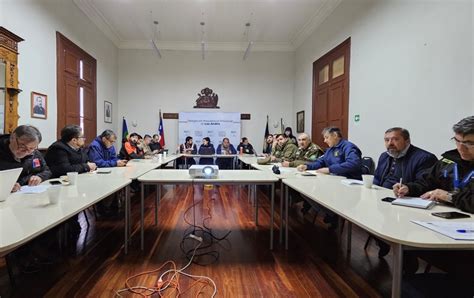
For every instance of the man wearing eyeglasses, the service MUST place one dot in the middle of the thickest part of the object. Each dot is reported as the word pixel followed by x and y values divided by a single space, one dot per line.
pixel 451 179
pixel 20 149
pixel 68 154
pixel 102 151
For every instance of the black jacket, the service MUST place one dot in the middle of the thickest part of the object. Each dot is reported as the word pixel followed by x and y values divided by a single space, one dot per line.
pixel 246 149
pixel 441 176
pixel 62 158
pixel 33 164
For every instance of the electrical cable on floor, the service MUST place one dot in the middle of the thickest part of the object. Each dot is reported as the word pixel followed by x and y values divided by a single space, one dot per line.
pixel 170 279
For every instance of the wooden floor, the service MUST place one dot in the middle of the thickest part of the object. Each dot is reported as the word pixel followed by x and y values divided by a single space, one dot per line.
pixel 314 266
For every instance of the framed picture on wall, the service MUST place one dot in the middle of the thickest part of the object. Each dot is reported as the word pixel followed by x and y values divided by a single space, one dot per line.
pixel 39 105
pixel 300 122
pixel 107 112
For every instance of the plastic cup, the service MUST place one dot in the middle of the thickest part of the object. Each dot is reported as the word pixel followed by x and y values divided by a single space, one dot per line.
pixel 368 180
pixel 53 194
pixel 72 177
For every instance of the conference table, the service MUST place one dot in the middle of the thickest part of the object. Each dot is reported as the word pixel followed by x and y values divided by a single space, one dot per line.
pixel 363 207
pixel 225 177
pixel 26 216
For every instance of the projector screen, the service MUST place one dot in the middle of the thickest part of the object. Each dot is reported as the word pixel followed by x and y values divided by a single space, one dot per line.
pixel 216 126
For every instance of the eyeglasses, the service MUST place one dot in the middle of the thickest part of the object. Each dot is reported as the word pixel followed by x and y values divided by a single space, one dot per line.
pixel 22 147
pixel 467 144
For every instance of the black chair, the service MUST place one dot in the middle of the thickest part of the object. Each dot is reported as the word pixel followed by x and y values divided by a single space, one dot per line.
pixel 368 168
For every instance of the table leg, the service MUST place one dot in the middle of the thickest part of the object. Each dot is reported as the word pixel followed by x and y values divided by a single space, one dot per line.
pixel 281 211
pixel 349 237
pixel 157 202
pixel 286 216
pixel 272 215
pixel 142 219
pixel 126 217
pixel 397 269
pixel 255 199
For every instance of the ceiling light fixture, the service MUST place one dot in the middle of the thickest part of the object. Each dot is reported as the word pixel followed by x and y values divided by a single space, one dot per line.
pixel 153 42
pixel 203 44
pixel 250 43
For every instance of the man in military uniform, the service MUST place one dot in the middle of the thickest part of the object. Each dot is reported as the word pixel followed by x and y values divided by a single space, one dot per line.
pixel 307 152
pixel 283 151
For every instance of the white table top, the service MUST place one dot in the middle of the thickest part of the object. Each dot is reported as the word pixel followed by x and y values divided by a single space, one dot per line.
pixel 210 155
pixel 25 216
pixel 364 207
pixel 285 172
pixel 225 176
pixel 248 158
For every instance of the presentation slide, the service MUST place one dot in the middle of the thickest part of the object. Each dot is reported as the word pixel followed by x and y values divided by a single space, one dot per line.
pixel 216 126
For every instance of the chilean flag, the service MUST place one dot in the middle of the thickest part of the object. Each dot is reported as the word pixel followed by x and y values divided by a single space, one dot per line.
pixel 161 132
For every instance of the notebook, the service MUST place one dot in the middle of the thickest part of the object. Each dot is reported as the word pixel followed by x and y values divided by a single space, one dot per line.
pixel 414 202
pixel 8 179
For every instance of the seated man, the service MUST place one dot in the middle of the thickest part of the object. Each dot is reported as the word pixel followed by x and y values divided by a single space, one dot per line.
pixel 102 151
pixel 402 160
pixel 144 145
pixel 267 148
pixel 284 150
pixel 20 150
pixel 68 154
pixel 245 147
pixel 187 148
pixel 307 152
pixel 343 158
pixel 155 145
pixel 225 148
pixel 206 148
pixel 450 181
pixel 130 148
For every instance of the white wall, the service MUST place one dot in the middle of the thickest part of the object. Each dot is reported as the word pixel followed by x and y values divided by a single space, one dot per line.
pixel 411 66
pixel 37 22
pixel 262 85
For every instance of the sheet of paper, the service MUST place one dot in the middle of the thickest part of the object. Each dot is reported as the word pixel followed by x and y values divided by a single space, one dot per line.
pixel 33 189
pixel 414 202
pixel 458 230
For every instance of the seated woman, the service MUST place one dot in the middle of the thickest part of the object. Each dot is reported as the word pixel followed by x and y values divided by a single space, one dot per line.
pixel 206 148
pixel 225 148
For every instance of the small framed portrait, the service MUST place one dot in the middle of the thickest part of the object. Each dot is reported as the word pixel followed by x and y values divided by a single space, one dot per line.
pixel 300 122
pixel 107 112
pixel 39 105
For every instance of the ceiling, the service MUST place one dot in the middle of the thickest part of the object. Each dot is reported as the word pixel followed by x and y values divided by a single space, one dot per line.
pixel 275 25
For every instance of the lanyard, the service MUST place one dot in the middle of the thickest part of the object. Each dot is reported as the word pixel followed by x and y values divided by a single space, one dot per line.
pixel 461 184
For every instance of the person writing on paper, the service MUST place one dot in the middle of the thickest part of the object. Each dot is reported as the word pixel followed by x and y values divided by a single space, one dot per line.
pixel 451 179
pixel 343 158
pixel 68 154
pixel 307 152
pixel 20 150
pixel 402 160
pixel 225 148
pixel 102 151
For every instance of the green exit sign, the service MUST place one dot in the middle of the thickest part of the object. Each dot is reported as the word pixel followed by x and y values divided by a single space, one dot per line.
pixel 356 118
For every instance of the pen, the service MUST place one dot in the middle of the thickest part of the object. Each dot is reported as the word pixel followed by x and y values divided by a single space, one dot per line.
pixel 401 181
pixel 465 231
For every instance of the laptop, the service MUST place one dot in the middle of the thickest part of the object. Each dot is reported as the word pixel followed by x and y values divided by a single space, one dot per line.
pixel 8 179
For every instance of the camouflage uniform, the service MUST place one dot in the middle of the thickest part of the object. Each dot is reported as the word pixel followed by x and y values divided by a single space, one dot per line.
pixel 309 154
pixel 285 153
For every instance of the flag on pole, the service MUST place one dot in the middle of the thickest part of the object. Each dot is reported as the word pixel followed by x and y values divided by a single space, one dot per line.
pixel 124 131
pixel 161 132
pixel 267 132
pixel 281 126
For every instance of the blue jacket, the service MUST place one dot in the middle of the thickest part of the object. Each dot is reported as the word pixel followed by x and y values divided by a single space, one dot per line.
pixel 103 157
pixel 410 167
pixel 231 149
pixel 344 159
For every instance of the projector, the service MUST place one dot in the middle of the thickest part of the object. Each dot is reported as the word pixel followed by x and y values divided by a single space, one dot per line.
pixel 204 171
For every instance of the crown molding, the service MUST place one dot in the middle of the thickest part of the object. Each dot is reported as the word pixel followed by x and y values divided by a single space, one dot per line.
pixel 318 17
pixel 210 46
pixel 89 9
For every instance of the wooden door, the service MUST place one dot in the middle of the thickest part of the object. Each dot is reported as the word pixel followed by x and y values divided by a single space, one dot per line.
pixel 76 84
pixel 331 91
